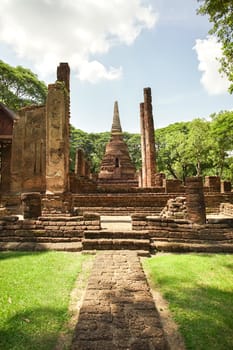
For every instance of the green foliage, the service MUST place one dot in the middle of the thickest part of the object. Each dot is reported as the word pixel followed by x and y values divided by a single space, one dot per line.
pixel 134 145
pixel 221 15
pixel 20 87
pixel 198 147
pixel 172 156
pixel 222 137
pixel 199 290
pixel 34 297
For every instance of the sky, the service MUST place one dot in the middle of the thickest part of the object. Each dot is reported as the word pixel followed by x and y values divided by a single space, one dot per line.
pixel 116 48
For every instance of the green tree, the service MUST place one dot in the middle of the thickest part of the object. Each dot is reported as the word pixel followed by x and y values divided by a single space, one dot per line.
pixel 220 13
pixel 20 87
pixel 199 144
pixel 172 156
pixel 222 138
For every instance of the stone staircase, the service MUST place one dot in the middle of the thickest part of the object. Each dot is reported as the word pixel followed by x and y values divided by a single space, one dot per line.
pixel 111 240
pixel 116 234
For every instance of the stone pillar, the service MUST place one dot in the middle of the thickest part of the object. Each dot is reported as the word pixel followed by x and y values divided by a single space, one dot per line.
pixel 148 141
pixel 195 200
pixel 31 205
pixel 57 138
pixel 87 169
pixel 143 147
pixel 79 163
pixel 63 74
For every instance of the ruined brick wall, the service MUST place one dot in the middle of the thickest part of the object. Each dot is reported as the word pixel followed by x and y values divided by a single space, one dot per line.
pixel 120 203
pixel 28 151
pixel 59 233
pixel 213 201
pixel 183 236
pixel 173 186
pixel 212 183
pixel 138 200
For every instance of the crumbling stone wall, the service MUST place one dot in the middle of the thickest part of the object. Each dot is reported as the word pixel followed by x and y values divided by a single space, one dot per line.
pixel 28 151
pixel 212 183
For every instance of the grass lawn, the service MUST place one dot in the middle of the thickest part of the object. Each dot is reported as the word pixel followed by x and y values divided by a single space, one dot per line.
pixel 199 289
pixel 34 297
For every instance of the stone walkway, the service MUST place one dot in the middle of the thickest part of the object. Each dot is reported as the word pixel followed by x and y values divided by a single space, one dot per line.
pixel 118 310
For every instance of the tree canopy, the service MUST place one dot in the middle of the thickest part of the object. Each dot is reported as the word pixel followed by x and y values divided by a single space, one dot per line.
pixel 220 13
pixel 20 87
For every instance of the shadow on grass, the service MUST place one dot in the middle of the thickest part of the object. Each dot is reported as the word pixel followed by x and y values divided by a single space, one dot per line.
pixel 205 317
pixel 18 254
pixel 34 329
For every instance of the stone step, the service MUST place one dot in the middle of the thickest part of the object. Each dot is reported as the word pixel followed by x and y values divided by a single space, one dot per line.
pixel 39 239
pixel 223 240
pixel 40 234
pixel 192 247
pixel 98 234
pixel 115 211
pixel 116 244
pixel 142 253
pixel 32 246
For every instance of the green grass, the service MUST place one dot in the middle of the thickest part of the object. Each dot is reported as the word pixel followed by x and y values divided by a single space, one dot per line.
pixel 34 297
pixel 199 289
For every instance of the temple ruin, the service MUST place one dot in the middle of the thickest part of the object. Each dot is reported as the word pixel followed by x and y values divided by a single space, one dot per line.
pixel 43 205
pixel 116 168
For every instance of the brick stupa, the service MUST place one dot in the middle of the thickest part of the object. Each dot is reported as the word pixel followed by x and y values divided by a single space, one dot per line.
pixel 116 167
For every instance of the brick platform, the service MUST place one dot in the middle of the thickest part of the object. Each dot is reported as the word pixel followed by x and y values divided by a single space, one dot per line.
pixel 118 310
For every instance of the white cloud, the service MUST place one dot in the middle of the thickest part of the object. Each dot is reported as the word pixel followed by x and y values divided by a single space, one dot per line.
pixel 208 53
pixel 47 32
pixel 95 71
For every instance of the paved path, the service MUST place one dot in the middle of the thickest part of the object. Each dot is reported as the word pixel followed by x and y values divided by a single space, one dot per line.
pixel 118 310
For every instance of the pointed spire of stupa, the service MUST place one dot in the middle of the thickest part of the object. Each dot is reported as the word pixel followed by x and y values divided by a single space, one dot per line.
pixel 116 124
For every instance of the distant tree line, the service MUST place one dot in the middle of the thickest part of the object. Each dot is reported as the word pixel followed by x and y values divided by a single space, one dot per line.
pixel 200 147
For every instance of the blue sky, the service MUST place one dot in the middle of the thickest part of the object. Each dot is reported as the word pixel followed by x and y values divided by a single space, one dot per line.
pixel 116 48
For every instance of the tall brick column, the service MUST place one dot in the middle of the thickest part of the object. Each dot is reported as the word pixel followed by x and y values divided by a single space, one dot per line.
pixel 57 130
pixel 80 163
pixel 143 147
pixel 147 140
pixel 195 200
